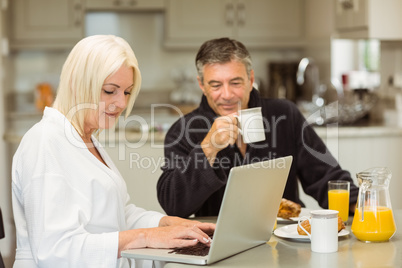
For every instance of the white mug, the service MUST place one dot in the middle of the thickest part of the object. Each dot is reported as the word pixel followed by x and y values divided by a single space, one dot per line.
pixel 251 125
pixel 324 230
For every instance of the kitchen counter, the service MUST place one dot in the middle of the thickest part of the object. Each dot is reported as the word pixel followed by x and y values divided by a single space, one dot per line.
pixel 385 128
pixel 278 252
pixel 147 127
pixel 138 127
pixel 359 131
pixel 133 135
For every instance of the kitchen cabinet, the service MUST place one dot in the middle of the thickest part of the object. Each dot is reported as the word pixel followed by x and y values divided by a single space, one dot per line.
pixel 350 14
pixel 46 23
pixel 124 5
pixel 256 23
pixel 365 19
pixel 361 148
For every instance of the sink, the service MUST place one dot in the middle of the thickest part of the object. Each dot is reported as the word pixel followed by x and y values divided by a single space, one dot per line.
pixel 345 111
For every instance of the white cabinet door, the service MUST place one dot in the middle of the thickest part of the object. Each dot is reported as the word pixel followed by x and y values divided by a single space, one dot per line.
pixel 262 21
pixel 351 14
pixel 46 23
pixel 191 22
pixel 365 19
pixel 257 23
pixel 358 152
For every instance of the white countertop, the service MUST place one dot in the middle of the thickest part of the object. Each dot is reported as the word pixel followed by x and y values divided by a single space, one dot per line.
pixel 283 252
pixel 389 126
pixel 154 127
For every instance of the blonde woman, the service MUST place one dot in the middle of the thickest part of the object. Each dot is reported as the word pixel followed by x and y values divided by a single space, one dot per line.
pixel 70 203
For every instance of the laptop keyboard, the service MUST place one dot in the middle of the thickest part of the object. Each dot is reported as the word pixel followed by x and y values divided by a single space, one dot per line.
pixel 198 250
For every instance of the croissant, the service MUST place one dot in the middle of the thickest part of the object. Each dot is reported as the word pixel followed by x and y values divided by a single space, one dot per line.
pixel 288 209
pixel 306 225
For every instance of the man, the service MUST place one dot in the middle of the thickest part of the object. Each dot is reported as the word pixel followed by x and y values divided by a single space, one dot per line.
pixel 202 146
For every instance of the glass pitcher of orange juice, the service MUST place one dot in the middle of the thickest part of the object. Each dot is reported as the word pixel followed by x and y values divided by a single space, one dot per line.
pixel 373 220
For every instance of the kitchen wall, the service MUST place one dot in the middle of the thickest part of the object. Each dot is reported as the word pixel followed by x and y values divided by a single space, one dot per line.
pixel 144 32
pixel 347 56
pixel 391 68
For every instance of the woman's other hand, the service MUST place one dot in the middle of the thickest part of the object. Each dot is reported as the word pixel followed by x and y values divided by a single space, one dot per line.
pixel 193 230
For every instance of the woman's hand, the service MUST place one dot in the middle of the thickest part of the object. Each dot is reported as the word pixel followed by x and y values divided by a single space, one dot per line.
pixel 172 232
pixel 202 231
pixel 175 236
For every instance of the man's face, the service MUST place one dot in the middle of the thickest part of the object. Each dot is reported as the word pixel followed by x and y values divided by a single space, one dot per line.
pixel 227 87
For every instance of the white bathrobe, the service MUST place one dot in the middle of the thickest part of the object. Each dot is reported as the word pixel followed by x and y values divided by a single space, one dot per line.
pixel 68 206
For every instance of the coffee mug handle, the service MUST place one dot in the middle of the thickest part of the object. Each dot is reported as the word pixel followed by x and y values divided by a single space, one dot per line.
pixel 238 123
pixel 299 223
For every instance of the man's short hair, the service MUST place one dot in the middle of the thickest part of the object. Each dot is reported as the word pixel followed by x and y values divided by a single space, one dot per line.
pixel 222 50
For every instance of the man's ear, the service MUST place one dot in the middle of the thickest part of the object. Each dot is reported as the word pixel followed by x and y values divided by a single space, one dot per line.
pixel 200 84
pixel 252 78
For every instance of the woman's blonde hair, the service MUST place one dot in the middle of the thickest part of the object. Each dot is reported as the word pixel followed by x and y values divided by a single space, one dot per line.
pixel 89 63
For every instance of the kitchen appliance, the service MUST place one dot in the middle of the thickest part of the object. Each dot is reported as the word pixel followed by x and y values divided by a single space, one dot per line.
pixel 282 81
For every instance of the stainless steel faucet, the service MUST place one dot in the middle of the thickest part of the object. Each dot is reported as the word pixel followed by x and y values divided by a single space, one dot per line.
pixel 304 62
pixel 314 77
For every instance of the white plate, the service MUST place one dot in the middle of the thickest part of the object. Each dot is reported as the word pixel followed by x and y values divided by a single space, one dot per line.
pixel 303 212
pixel 290 231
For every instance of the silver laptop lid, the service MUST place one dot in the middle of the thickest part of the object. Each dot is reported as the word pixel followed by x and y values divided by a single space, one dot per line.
pixel 247 215
pixel 249 207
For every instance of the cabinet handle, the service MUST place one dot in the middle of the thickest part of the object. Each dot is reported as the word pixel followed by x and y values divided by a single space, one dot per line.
pixel 230 14
pixel 346 4
pixel 241 14
pixel 77 6
pixel 78 9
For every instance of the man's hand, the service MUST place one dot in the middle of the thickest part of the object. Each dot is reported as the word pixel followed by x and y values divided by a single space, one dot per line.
pixel 224 132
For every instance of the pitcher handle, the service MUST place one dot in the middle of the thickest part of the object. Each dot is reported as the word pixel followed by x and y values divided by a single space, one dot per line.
pixel 362 198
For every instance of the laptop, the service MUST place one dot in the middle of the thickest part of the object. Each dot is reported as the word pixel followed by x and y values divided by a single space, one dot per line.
pixel 247 215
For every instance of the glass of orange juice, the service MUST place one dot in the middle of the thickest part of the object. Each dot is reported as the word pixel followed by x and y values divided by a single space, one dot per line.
pixel 338 198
